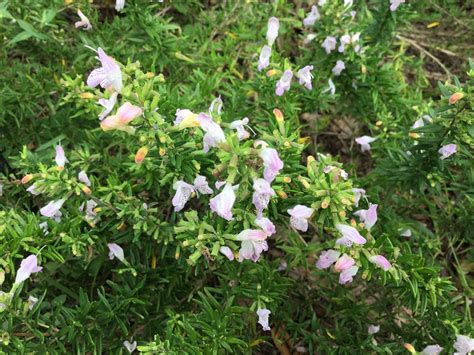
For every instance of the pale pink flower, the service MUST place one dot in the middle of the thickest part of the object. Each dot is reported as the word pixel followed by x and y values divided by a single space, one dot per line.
pixel 239 126
pixel 51 210
pixel 130 346
pixel 219 184
pixel 271 162
pixel 107 75
pixel 108 105
pixel 364 142
pixel 201 185
pixel 262 195
pixel 284 83
pixel 305 76
pixel 264 58
pixel 329 44
pixel 312 16
pixel 348 275
pixel 267 226
pixel 82 176
pixel 418 123
pixel 381 262
pixel 60 157
pixel 432 350
pixel 338 68
pixel 327 258
pixel 263 318
pixel 344 263
pixel 119 4
pixel 350 235
pixel 447 150
pixel 394 4
pixel 28 266
pixel 373 329
pixel 253 244
pixel 369 216
pixel 358 193
pixel 32 190
pixel 463 345
pixel 272 31
pixel 349 40
pixel 125 114
pixel 222 203
pixel 182 195
pixel 227 252
pixel 214 133
pixel 115 251
pixel 84 21
pixel 299 217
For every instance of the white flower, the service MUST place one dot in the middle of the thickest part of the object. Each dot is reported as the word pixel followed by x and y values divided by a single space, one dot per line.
pixel 182 195
pixel 272 31
pixel 373 329
pixel 130 346
pixel 84 21
pixel 463 345
pixel 312 17
pixel 263 318
pixel 338 68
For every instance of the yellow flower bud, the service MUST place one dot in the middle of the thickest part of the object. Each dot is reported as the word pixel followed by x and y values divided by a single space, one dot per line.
pixel 310 159
pixel 86 190
pixel 353 223
pixel 272 72
pixel 140 155
pixel 162 139
pixel 86 95
pixel 414 135
pixel 378 123
pixel 455 97
pixel 287 179
pixel 27 178
pixel 287 144
pixel 162 152
pixel 304 140
pixel 189 121
pixel 149 75
pixel 410 348
pixel 282 194
pixel 342 214
pixel 278 115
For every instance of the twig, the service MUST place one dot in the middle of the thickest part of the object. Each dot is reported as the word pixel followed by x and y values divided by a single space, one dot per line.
pixel 424 51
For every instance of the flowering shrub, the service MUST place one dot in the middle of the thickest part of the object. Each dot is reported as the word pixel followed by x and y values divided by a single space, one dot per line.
pixel 182 206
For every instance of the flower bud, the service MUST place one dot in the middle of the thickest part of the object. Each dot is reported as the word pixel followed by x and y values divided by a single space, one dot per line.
pixel 140 155
pixel 282 194
pixel 272 72
pixel 414 135
pixel 162 152
pixel 27 178
pixel 287 179
pixel 86 190
pixel 278 115
pixel 86 95
pixel 455 97
pixel 410 348
pixel 149 75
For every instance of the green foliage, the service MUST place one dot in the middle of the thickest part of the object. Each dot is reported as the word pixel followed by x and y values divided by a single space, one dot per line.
pixel 175 292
